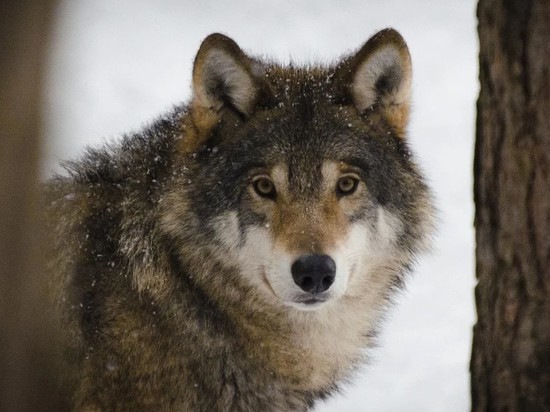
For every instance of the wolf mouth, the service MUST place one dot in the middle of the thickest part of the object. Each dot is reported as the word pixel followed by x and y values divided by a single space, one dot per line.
pixel 312 301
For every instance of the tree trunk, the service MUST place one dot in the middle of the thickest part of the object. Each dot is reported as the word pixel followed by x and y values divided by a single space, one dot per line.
pixel 28 367
pixel 511 350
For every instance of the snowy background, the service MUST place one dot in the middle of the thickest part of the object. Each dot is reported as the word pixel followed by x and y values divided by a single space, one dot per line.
pixel 119 63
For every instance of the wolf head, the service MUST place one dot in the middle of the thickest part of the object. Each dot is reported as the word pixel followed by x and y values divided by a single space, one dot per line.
pixel 300 178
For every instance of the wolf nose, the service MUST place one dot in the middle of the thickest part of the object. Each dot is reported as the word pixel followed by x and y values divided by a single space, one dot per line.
pixel 314 273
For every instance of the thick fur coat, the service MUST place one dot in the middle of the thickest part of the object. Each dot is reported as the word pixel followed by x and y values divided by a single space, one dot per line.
pixel 238 253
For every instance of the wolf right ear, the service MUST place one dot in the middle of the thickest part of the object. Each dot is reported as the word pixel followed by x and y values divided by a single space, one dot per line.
pixel 379 76
pixel 223 79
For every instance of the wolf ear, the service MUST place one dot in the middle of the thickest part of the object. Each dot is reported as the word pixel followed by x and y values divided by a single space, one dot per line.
pixel 379 76
pixel 225 81
pixel 223 78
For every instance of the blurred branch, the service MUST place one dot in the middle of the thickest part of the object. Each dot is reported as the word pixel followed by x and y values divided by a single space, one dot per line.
pixel 28 373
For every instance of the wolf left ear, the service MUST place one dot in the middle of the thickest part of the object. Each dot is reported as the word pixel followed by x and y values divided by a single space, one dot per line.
pixel 224 81
pixel 379 76
pixel 222 76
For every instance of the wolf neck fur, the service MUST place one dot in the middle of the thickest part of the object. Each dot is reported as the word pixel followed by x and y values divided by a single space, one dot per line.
pixel 312 350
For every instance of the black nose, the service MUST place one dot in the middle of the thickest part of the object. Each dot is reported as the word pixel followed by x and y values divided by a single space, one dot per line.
pixel 314 273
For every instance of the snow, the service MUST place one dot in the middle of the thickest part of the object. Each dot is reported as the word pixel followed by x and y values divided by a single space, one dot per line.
pixel 117 65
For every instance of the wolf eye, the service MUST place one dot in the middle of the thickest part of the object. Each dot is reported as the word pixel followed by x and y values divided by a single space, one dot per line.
pixel 264 187
pixel 347 185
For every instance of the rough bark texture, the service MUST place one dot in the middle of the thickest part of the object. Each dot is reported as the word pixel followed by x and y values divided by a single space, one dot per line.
pixel 28 373
pixel 511 350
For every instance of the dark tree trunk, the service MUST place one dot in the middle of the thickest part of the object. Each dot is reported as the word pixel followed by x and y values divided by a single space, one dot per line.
pixel 28 367
pixel 511 349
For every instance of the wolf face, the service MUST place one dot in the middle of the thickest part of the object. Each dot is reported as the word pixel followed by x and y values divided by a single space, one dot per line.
pixel 308 188
pixel 307 220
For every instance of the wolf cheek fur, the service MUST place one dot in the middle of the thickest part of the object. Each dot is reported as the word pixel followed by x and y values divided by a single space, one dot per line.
pixel 238 253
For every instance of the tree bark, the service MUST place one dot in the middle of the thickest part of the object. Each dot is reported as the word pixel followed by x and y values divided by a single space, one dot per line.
pixel 28 357
pixel 510 363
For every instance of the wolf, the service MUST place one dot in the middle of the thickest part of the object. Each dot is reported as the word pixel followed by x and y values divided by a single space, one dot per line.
pixel 239 253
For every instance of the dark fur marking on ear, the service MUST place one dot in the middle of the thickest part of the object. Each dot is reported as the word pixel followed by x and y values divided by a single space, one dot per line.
pixel 388 81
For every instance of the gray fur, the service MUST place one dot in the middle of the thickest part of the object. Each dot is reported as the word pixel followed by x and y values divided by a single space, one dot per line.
pixel 145 234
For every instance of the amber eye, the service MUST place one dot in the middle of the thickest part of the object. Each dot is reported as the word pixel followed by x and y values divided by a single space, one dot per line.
pixel 264 187
pixel 347 185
